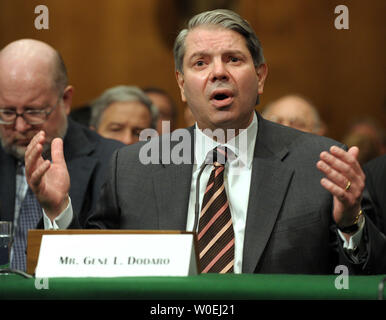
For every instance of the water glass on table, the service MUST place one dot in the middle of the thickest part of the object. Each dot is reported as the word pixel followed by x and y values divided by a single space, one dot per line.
pixel 5 241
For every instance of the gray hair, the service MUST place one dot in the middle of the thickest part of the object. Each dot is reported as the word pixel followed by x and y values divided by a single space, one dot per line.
pixel 223 18
pixel 121 94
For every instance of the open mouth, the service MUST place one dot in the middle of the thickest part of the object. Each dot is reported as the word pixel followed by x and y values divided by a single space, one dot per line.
pixel 222 99
pixel 220 96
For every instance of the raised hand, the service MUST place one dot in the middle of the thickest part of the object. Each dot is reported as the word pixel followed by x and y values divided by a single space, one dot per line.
pixel 345 180
pixel 49 181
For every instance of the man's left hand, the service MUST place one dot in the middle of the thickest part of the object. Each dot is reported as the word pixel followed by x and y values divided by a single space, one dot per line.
pixel 345 180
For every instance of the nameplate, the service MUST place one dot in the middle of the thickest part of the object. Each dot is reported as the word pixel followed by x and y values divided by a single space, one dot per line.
pixel 116 255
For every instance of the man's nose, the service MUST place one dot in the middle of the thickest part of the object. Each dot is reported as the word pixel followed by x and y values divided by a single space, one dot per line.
pixel 129 138
pixel 21 125
pixel 219 71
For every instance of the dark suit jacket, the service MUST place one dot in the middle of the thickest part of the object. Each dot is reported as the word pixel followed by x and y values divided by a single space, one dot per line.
pixel 87 156
pixel 289 226
pixel 375 171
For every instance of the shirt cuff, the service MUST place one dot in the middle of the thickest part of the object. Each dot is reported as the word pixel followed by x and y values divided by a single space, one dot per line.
pixel 62 221
pixel 355 239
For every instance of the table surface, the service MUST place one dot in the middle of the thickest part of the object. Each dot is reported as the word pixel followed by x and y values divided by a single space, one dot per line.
pixel 200 287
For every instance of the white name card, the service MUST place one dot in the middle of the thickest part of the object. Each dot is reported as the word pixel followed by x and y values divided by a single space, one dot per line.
pixel 116 255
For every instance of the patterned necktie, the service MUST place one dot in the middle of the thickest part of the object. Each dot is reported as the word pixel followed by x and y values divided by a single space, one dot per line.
pixel 29 216
pixel 215 231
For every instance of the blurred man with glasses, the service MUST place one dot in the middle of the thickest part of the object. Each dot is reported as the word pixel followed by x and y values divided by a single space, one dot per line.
pixel 34 96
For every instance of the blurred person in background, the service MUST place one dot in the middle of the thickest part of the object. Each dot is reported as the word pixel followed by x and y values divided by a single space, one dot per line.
pixel 122 112
pixel 167 109
pixel 368 136
pixel 297 112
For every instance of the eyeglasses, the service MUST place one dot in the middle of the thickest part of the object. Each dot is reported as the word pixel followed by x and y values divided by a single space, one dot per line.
pixel 31 116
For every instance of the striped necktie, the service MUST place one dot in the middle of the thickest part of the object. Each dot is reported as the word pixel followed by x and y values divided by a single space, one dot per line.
pixel 29 216
pixel 215 230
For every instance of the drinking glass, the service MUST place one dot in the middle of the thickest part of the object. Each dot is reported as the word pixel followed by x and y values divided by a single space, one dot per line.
pixel 5 241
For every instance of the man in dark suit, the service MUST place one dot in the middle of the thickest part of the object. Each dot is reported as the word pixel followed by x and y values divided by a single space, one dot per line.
pixel 34 96
pixel 375 171
pixel 266 207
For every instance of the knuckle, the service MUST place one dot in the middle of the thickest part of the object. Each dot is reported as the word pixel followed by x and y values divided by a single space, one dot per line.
pixel 346 169
pixel 326 168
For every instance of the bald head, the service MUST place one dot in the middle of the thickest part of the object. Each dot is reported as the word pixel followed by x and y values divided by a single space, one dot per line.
pixel 28 60
pixel 294 111
pixel 32 77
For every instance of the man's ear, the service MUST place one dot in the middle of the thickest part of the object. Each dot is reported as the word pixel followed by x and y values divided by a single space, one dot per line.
pixel 262 72
pixel 67 98
pixel 181 81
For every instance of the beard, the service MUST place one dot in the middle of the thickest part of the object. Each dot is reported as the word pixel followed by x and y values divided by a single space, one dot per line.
pixel 19 151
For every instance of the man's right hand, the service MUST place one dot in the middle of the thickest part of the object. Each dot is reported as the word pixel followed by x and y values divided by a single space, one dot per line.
pixel 50 182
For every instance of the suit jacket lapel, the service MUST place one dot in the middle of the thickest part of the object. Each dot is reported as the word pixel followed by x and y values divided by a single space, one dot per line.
pixel 269 182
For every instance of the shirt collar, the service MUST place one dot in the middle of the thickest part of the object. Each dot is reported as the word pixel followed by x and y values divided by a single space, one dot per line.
pixel 241 146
